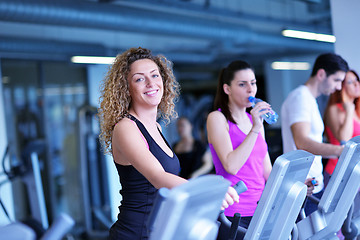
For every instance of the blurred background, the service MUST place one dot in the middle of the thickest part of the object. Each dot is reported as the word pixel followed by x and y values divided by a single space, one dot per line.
pixel 51 157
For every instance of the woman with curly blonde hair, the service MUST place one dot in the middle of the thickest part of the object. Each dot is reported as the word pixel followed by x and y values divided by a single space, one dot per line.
pixel 115 96
pixel 138 89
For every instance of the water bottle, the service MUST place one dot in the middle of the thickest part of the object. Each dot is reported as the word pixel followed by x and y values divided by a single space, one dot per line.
pixel 270 117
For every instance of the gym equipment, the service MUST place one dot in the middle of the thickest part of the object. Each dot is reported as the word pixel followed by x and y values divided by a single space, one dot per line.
pixel 95 195
pixel 30 174
pixel 33 182
pixel 17 231
pixel 189 211
pixel 350 227
pixel 281 200
pixel 62 224
pixel 20 231
pixel 337 199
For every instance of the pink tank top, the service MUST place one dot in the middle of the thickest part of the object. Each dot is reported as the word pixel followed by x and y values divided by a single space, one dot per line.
pixel 330 166
pixel 251 173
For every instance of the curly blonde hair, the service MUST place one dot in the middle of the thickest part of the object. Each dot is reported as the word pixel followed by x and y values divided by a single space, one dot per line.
pixel 115 97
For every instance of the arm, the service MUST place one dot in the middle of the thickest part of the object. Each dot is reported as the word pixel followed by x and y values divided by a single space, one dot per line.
pixel 300 132
pixel 206 167
pixel 267 161
pixel 340 122
pixel 267 166
pixel 129 148
pixel 218 135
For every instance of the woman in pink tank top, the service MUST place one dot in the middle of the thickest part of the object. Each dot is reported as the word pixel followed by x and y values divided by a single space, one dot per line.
pixel 236 138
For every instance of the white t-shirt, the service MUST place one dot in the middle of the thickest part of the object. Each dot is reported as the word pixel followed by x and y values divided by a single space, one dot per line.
pixel 301 106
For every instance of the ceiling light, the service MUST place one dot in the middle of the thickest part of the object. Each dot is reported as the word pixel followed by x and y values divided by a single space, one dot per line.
pixel 309 36
pixel 290 65
pixel 92 60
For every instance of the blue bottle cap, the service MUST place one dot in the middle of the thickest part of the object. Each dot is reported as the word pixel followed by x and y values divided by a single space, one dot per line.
pixel 251 99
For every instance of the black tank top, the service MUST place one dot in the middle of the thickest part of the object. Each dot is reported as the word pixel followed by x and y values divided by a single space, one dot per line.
pixel 138 193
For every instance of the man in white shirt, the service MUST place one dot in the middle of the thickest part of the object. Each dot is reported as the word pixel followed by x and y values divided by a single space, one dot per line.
pixel 301 122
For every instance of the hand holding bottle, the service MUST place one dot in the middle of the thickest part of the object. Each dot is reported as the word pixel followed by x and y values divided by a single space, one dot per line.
pixel 270 117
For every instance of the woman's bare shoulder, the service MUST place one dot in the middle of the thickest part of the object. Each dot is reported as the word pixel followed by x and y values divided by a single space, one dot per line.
pixel 125 125
pixel 216 115
pixel 334 111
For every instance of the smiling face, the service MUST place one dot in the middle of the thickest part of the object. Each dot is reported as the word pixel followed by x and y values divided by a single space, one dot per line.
pixel 145 83
pixel 241 88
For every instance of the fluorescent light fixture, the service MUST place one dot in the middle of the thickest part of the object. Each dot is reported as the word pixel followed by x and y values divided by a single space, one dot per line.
pixel 92 60
pixel 290 65
pixel 309 36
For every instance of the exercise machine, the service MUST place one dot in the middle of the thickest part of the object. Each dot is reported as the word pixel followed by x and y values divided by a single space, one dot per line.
pixel 281 200
pixel 20 231
pixel 29 172
pixel 188 211
pixel 337 199
pixel 191 210
pixel 95 195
